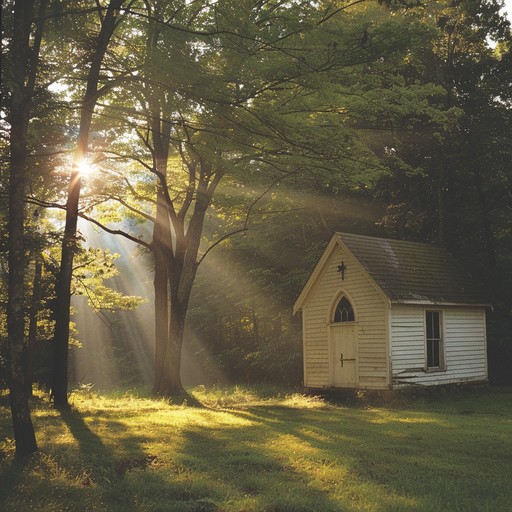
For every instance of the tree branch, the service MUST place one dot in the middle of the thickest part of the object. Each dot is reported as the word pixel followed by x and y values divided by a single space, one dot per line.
pixel 46 204
pixel 329 16
pixel 245 227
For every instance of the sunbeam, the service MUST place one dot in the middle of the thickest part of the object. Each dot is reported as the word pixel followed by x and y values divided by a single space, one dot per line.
pixel 118 347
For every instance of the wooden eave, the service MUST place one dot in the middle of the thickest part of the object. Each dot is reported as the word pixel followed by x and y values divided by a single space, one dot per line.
pixel 314 274
pixel 334 242
pixel 409 287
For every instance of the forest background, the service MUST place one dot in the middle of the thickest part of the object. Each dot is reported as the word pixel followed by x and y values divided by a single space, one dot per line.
pixel 231 139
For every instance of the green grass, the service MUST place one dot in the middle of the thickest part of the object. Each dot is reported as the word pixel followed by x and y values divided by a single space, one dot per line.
pixel 247 450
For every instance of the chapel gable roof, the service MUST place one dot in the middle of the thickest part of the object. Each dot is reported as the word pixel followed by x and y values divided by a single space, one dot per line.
pixel 413 272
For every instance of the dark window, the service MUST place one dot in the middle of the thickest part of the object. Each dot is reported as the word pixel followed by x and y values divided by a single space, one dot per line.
pixel 434 339
pixel 344 311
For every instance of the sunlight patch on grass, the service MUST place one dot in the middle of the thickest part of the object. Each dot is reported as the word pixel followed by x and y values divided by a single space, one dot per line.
pixel 299 401
pixel 91 401
pixel 271 453
pixel 240 397
pixel 292 445
pixel 382 417
pixel 316 435
pixel 217 397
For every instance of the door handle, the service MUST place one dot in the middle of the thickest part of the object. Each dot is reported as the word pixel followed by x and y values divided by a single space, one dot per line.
pixel 342 359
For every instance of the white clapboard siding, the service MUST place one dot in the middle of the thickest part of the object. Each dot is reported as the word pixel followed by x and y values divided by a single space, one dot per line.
pixel 465 344
pixel 407 340
pixel 390 334
pixel 465 353
pixel 371 316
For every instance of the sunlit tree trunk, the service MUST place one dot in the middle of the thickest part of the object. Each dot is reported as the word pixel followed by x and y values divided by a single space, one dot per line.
pixel 170 379
pixel 161 309
pixel 161 246
pixel 166 248
pixel 181 279
pixel 177 231
pixel 23 62
pixel 63 286
pixel 182 269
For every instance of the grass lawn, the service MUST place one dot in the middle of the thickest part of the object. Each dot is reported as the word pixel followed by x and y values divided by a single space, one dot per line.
pixel 250 451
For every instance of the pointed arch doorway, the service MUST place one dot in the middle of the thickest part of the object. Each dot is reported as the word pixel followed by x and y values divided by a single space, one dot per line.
pixel 343 336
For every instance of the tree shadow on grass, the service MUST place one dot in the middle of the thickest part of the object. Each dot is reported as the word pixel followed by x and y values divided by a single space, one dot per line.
pixel 61 479
pixel 12 472
pixel 250 473
pixel 392 457
pixel 129 478
pixel 272 459
pixel 11 476
pixel 183 397
pixel 103 467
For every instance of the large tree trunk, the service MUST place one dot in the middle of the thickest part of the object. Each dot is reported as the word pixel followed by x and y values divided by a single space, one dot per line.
pixel 182 268
pixel 161 229
pixel 174 247
pixel 63 286
pixel 170 380
pixel 23 429
pixel 181 279
pixel 24 61
pixel 161 244
pixel 63 297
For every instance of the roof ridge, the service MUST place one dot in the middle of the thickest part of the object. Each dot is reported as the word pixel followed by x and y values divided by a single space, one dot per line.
pixel 407 270
pixel 370 237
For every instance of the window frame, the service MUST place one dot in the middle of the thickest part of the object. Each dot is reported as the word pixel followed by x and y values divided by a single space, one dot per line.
pixel 350 312
pixel 432 339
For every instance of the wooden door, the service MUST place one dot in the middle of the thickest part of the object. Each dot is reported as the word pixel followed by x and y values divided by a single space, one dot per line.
pixel 344 354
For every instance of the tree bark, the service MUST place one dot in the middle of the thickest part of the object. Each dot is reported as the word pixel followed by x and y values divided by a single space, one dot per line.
pixel 23 429
pixel 24 61
pixel 182 267
pixel 63 286
pixel 176 234
pixel 161 229
pixel 170 380
pixel 162 245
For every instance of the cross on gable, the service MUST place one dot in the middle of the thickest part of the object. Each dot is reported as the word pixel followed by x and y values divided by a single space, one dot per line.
pixel 342 268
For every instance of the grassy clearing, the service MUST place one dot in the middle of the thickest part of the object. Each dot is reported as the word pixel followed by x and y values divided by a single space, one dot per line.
pixel 247 450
